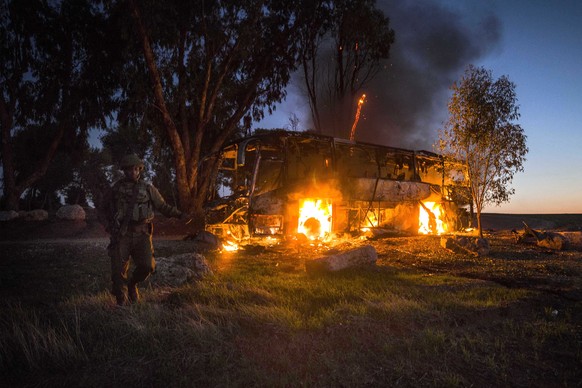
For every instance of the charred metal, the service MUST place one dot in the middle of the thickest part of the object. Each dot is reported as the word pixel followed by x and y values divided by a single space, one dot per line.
pixel 263 180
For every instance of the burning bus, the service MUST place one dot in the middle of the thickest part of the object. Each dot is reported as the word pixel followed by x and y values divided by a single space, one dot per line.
pixel 282 183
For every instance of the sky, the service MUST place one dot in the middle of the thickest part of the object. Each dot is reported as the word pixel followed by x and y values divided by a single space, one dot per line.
pixel 537 44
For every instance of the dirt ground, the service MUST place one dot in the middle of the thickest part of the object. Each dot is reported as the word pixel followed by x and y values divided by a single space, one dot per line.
pixel 509 263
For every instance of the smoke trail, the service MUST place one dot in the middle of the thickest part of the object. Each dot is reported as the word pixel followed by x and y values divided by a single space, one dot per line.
pixel 407 102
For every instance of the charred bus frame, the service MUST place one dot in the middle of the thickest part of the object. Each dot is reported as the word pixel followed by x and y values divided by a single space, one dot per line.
pixel 263 178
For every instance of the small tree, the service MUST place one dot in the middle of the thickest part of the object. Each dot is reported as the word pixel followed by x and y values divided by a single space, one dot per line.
pixel 481 131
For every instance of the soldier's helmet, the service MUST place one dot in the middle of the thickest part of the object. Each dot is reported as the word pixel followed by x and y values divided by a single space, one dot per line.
pixel 130 161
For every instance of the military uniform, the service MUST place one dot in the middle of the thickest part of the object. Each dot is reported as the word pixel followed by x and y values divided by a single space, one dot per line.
pixel 131 207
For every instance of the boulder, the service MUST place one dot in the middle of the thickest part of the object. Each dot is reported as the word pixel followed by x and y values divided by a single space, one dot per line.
pixel 8 215
pixel 178 270
pixel 71 212
pixel 365 255
pixel 34 215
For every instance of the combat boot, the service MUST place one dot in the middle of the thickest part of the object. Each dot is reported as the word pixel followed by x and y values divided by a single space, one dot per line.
pixel 132 293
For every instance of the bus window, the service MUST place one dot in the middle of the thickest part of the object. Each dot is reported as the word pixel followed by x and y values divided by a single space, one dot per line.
pixel 356 161
pixel 308 158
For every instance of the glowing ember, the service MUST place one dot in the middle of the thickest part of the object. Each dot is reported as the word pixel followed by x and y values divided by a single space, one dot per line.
pixel 357 118
pixel 229 246
pixel 430 219
pixel 315 218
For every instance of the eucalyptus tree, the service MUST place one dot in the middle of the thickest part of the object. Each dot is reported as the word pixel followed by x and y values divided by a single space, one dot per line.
pixel 344 47
pixel 30 144
pixel 214 67
pixel 56 79
pixel 482 131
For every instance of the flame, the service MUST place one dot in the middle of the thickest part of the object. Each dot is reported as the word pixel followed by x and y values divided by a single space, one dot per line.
pixel 431 223
pixel 230 246
pixel 371 220
pixel 315 218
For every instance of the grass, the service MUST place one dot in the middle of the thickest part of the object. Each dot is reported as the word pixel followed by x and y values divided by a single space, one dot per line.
pixel 419 318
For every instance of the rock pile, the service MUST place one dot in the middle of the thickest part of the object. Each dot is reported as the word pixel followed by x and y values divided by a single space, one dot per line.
pixel 178 270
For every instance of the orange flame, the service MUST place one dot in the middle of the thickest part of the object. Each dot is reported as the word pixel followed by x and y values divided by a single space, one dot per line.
pixel 430 219
pixel 370 220
pixel 230 246
pixel 315 218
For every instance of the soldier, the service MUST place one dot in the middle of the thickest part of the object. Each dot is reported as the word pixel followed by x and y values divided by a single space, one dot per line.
pixel 129 211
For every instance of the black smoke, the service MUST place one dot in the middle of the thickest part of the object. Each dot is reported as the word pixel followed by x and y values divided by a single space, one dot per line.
pixel 407 102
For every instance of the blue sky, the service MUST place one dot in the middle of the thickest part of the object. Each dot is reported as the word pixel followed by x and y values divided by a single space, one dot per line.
pixel 541 52
pixel 539 47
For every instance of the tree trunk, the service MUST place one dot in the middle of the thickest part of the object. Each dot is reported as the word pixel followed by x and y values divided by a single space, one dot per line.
pixel 11 194
pixel 184 191
pixel 479 225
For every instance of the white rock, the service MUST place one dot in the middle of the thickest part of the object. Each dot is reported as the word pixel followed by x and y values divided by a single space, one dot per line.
pixel 34 215
pixel 71 212
pixel 8 215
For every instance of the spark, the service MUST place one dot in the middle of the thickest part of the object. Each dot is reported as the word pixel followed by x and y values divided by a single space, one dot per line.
pixel 358 111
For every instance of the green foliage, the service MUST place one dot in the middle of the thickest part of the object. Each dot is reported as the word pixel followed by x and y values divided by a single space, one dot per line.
pixel 124 140
pixel 57 80
pixel 70 66
pixel 237 54
pixel 214 69
pixel 75 195
pixel 481 131
pixel 43 194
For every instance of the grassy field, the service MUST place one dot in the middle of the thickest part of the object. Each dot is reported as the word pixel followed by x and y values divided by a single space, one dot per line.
pixel 421 317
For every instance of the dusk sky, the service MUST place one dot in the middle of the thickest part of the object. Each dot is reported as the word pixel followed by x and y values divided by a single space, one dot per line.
pixel 536 43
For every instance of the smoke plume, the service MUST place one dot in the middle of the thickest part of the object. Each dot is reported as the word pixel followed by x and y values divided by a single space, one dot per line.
pixel 407 102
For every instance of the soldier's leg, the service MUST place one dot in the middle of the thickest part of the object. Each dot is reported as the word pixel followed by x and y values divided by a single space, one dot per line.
pixel 119 254
pixel 143 257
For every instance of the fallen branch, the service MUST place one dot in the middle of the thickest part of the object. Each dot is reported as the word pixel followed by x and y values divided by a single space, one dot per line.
pixel 551 240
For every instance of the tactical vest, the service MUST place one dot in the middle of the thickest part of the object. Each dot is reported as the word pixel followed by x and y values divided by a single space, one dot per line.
pixel 142 211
